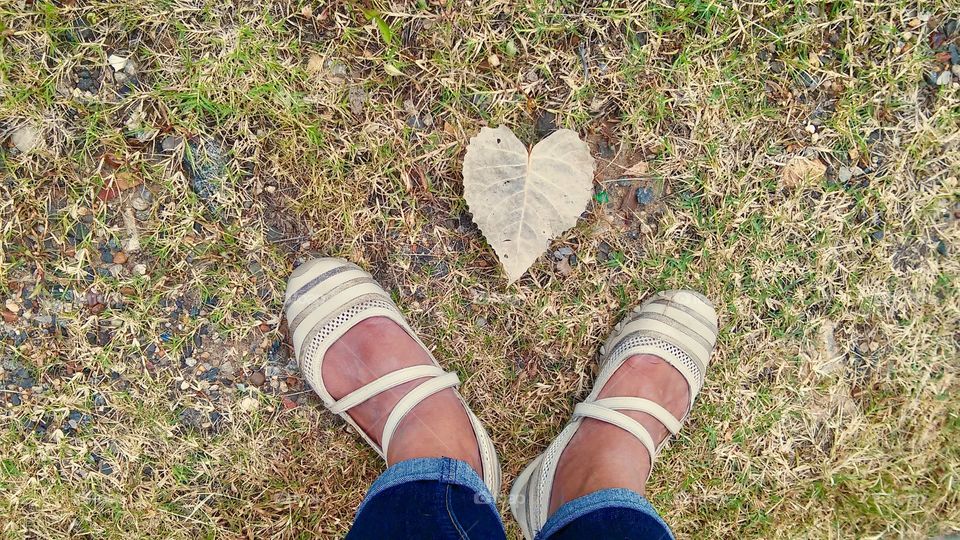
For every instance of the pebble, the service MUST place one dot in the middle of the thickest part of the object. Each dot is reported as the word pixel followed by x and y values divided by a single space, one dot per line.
pixel 272 371
pixel 120 257
pixel 140 270
pixel 257 378
pixel 171 143
pixel 845 174
pixel 9 317
pixel 356 97
pixel 106 257
pixel 493 60
pixel 190 361
pixel 645 195
pixel 25 138
pixel 546 123
pixel 13 306
pixel 116 270
pixel 139 203
pixel 945 78
pixel 249 404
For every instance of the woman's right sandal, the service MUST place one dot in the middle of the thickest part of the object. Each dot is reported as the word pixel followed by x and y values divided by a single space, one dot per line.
pixel 325 298
pixel 678 326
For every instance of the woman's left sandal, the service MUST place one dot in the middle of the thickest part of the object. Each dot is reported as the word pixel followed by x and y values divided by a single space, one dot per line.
pixel 325 298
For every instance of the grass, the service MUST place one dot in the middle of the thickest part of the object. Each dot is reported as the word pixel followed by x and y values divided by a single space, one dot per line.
pixel 831 407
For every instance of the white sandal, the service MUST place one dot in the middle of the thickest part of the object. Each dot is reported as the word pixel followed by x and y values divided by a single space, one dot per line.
pixel 325 298
pixel 678 326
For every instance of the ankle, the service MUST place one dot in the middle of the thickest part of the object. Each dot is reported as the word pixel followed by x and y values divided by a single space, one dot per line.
pixel 430 431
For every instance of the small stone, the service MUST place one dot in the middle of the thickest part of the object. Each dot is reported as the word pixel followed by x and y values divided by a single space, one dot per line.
pixel 950 27
pixel 844 174
pixel 12 306
pixel 645 195
pixel 9 317
pixel 120 257
pixel 140 270
pixel 876 235
pixel 138 203
pixel 493 60
pixel 25 138
pixel 356 97
pixel 257 378
pixel 127 290
pixel 116 270
pixel 249 404
pixel 106 257
pixel 811 129
pixel 546 123
pixel 945 78
pixel 171 143
pixel 190 361
pixel 942 248
pixel 564 252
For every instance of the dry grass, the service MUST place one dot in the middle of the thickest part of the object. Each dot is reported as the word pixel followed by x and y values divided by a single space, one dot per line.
pixel 831 409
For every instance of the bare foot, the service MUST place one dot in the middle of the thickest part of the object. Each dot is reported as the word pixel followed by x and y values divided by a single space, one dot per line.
pixel 437 427
pixel 603 456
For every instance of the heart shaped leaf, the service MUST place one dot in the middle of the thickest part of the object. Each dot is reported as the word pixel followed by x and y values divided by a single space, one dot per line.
pixel 521 200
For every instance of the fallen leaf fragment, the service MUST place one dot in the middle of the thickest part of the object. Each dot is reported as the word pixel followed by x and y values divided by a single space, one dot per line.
pixel 802 169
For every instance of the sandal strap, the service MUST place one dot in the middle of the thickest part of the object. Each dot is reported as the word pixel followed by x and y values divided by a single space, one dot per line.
pixel 387 382
pixel 411 400
pixel 636 404
pixel 622 421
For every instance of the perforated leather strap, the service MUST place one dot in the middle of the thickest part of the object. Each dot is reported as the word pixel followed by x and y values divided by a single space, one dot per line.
pixel 411 400
pixel 622 421
pixel 382 384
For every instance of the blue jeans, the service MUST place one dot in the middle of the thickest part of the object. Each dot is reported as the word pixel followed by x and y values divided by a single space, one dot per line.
pixel 442 498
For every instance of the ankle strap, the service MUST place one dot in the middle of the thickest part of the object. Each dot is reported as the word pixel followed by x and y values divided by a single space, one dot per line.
pixel 411 400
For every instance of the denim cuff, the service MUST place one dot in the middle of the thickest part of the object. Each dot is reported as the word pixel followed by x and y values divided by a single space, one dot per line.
pixel 600 500
pixel 446 470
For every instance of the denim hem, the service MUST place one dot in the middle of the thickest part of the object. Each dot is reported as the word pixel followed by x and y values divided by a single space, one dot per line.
pixel 599 500
pixel 445 470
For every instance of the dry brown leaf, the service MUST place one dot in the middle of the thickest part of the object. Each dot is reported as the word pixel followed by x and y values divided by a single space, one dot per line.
pixel 519 199
pixel 639 168
pixel 802 169
pixel 126 180
pixel 315 64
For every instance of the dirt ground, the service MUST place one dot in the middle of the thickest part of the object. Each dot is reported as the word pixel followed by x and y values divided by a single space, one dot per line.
pixel 164 164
